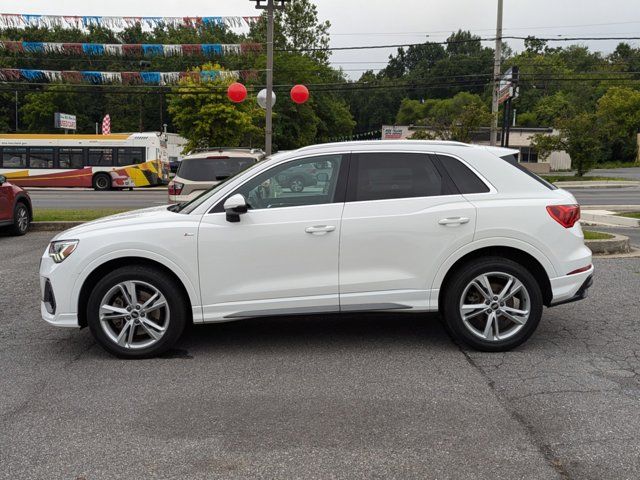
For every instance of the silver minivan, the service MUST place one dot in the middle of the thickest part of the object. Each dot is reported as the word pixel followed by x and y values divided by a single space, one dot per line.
pixel 200 171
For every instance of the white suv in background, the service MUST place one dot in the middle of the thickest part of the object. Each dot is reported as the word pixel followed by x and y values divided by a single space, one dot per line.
pixel 200 171
pixel 410 226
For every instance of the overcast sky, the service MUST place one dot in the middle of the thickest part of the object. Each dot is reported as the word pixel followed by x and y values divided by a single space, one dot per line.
pixel 375 22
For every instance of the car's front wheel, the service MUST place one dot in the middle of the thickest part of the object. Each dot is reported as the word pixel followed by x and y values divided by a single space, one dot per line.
pixel 136 312
pixel 492 304
pixel 296 185
pixel 21 219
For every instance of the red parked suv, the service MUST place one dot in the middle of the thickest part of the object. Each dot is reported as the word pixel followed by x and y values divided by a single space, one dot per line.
pixel 15 207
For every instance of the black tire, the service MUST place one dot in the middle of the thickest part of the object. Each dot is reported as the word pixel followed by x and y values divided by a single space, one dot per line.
pixel 101 182
pixel 178 308
pixel 463 277
pixel 296 184
pixel 21 220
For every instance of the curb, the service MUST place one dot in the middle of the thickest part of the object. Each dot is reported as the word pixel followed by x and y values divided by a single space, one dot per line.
pixel 52 226
pixel 617 244
pixel 593 184
pixel 610 219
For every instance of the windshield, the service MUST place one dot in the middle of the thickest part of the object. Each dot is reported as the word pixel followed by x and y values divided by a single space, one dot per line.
pixel 190 206
pixel 212 168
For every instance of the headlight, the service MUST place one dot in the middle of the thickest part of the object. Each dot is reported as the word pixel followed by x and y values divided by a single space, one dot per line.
pixel 61 249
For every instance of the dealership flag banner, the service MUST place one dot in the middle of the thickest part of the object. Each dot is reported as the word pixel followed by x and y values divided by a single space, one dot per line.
pixel 106 125
pixel 84 22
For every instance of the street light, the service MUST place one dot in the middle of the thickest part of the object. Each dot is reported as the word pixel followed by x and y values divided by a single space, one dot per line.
pixel 270 6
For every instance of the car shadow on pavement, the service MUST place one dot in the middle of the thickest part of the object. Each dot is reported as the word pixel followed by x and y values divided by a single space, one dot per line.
pixel 317 331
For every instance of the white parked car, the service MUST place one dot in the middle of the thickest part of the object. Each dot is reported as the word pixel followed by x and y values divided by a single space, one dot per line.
pixel 412 226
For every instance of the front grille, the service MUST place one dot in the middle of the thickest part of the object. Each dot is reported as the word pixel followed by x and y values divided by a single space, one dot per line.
pixel 49 298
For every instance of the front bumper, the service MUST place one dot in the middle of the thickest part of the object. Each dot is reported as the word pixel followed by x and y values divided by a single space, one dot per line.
pixel 56 284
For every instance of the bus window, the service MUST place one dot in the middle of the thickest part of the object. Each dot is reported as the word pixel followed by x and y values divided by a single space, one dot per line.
pixel 14 157
pixel 100 157
pixel 41 157
pixel 70 158
pixel 130 156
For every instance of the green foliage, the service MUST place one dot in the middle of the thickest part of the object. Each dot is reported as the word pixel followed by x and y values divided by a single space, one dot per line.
pixel 205 116
pixel 619 113
pixel 579 136
pixel 453 118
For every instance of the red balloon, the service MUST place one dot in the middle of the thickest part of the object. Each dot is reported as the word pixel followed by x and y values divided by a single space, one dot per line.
pixel 237 92
pixel 299 94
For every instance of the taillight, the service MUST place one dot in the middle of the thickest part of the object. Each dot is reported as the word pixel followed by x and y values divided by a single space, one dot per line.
pixel 175 188
pixel 580 270
pixel 565 215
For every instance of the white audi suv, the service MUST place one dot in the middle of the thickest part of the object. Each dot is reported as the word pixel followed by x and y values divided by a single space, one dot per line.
pixel 411 226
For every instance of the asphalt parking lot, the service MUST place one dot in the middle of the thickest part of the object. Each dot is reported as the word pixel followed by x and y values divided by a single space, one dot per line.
pixel 357 396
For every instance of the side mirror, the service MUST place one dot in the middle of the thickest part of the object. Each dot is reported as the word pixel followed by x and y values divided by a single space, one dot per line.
pixel 2 179
pixel 235 206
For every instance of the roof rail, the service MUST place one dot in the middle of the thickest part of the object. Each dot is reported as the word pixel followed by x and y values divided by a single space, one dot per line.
pixel 220 149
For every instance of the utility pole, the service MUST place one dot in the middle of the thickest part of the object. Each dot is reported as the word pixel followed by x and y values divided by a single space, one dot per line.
pixel 496 76
pixel 270 7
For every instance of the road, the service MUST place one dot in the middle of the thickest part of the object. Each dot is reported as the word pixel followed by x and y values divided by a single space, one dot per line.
pixel 84 199
pixel 356 396
pixel 628 173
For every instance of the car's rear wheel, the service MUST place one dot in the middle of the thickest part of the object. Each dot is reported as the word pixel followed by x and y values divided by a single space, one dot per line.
pixel 136 312
pixel 492 304
pixel 101 182
pixel 21 219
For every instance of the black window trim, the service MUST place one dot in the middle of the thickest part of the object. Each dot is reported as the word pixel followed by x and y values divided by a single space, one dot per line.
pixel 492 189
pixel 339 195
pixel 351 192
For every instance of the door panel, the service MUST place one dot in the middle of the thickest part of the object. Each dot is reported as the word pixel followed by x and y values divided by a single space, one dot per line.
pixel 282 256
pixel 390 248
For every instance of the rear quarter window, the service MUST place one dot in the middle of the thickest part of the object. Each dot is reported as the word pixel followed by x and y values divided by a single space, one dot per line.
pixel 462 176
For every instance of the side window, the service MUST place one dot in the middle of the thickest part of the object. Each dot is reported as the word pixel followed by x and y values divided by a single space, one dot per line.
pixel 130 156
pixel 462 176
pixel 389 175
pixel 41 157
pixel 71 158
pixel 308 181
pixel 14 157
pixel 100 157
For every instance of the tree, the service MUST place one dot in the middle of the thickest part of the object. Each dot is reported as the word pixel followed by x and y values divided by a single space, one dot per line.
pixel 579 136
pixel 618 110
pixel 453 118
pixel 206 118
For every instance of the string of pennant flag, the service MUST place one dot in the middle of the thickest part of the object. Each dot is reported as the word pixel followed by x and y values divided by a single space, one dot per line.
pixel 18 20
pixel 123 78
pixel 372 135
pixel 124 50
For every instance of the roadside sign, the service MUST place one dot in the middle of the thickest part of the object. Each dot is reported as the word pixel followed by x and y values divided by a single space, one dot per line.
pixel 507 86
pixel 64 120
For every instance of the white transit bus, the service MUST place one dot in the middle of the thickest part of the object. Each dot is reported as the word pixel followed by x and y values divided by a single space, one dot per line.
pixel 104 162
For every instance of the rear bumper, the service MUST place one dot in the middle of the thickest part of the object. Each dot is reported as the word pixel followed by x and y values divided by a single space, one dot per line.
pixel 571 288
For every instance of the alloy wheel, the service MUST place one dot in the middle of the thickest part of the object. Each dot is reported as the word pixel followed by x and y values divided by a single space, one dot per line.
pixel 134 314
pixel 22 219
pixel 495 306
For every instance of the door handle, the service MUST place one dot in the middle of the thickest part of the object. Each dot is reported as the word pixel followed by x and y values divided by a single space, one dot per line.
pixel 320 229
pixel 453 221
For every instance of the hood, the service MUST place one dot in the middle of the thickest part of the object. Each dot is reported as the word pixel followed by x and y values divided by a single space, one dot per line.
pixel 145 215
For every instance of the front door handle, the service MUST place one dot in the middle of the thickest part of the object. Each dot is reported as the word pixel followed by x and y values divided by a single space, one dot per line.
pixel 320 229
pixel 453 221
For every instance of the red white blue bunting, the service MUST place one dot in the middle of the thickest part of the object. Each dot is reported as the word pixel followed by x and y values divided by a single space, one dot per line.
pixel 123 78
pixel 16 20
pixel 130 50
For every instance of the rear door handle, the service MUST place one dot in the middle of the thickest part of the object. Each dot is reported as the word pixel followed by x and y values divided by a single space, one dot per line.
pixel 453 221
pixel 320 229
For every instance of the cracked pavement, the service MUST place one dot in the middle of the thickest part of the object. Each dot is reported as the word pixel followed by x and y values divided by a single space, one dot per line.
pixel 353 396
